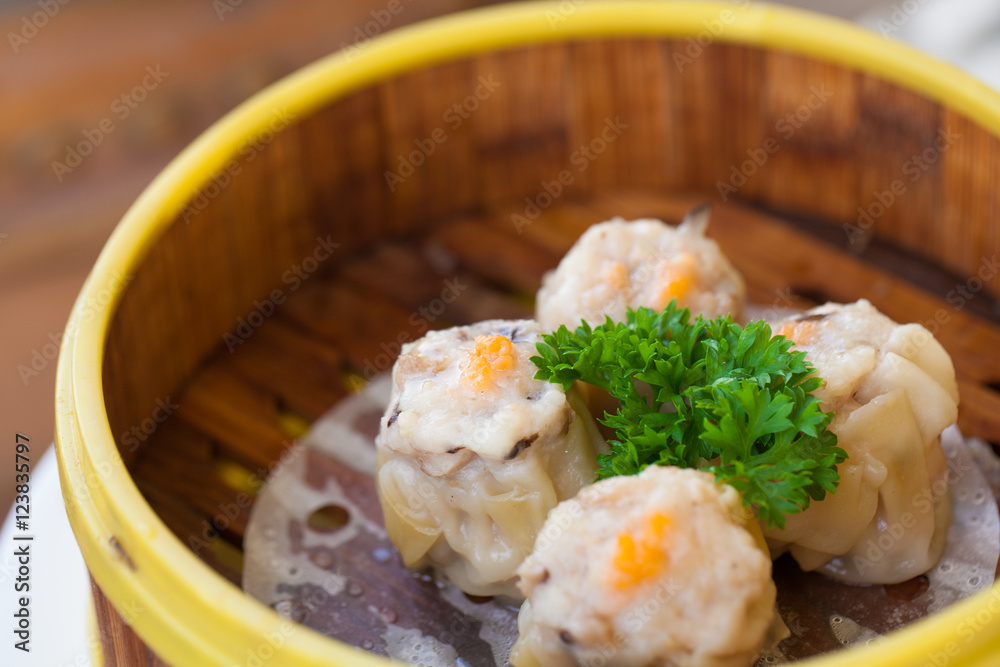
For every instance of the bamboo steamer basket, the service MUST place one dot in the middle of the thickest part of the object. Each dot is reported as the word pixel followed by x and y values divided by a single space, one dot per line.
pixel 706 90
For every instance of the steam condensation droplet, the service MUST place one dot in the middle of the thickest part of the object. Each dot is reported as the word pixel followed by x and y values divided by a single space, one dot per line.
pixel 292 609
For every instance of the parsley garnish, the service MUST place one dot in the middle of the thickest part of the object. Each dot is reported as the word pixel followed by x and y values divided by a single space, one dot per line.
pixel 728 399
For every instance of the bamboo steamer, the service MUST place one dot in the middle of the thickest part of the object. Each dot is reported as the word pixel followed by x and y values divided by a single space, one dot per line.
pixel 285 252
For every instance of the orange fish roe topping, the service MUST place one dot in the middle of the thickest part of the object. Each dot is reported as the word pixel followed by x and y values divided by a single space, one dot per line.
pixel 640 557
pixel 492 353
pixel 678 278
pixel 616 276
pixel 799 332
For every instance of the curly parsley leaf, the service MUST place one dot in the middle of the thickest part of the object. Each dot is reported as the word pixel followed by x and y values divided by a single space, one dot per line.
pixel 711 394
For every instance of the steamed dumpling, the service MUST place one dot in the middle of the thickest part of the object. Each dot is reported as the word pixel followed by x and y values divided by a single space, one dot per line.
pixel 652 570
pixel 473 453
pixel 616 265
pixel 893 390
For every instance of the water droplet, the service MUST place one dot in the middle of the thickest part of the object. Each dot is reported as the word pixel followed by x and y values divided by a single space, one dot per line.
pixel 945 567
pixel 974 581
pixel 836 619
pixel 426 578
pixel 388 615
pixel 367 644
pixel 322 558
pixel 978 498
pixel 354 589
pixel 381 555
pixel 292 609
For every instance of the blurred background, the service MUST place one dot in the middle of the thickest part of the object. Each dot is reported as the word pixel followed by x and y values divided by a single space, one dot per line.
pixel 96 96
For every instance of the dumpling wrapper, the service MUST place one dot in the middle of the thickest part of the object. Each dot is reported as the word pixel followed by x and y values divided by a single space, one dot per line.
pixel 893 390
pixel 474 452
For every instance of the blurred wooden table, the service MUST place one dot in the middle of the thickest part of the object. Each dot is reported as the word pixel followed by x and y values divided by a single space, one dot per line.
pixel 130 84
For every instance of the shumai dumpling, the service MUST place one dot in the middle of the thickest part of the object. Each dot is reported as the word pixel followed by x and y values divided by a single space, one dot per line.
pixel 617 264
pixel 655 570
pixel 893 390
pixel 473 453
